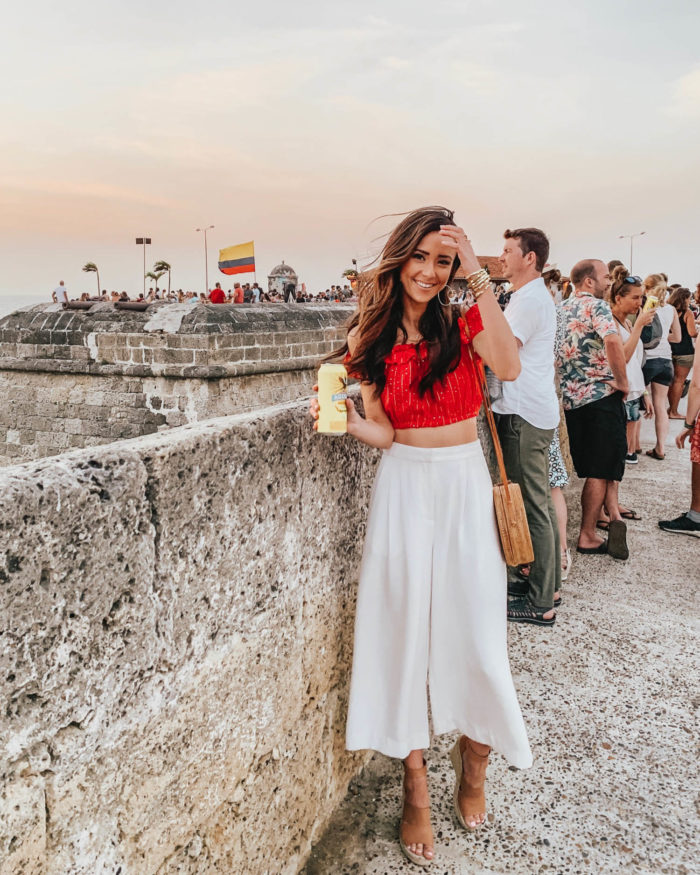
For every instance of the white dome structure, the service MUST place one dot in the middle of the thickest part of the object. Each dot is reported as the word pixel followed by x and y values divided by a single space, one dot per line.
pixel 281 277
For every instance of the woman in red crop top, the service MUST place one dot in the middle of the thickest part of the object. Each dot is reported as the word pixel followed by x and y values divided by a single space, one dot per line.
pixel 431 608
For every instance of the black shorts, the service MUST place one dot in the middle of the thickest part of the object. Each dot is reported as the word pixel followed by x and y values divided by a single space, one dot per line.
pixel 658 371
pixel 598 438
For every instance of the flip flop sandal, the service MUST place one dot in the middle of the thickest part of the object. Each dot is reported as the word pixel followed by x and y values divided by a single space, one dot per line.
pixel 617 540
pixel 630 515
pixel 602 524
pixel 601 548
pixel 654 455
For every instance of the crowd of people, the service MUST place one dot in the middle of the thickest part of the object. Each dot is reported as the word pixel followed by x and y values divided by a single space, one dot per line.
pixel 241 293
pixel 623 348
pixel 434 594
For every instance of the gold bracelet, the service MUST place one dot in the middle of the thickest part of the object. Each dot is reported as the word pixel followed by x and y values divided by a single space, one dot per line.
pixel 476 275
pixel 479 282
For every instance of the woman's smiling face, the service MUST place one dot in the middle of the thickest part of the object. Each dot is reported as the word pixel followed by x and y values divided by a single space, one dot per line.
pixel 427 270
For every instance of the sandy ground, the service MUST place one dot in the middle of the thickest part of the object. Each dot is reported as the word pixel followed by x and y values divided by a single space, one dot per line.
pixel 610 699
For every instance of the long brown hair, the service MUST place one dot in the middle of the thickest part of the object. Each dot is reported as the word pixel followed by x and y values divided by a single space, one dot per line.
pixel 379 317
pixel 680 299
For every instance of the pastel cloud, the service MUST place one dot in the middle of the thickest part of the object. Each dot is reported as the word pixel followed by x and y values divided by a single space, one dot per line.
pixel 685 96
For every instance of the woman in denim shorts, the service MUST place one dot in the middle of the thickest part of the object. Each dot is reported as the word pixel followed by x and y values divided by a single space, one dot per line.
pixel 658 368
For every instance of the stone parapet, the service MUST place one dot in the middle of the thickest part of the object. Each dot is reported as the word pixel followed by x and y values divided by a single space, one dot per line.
pixel 177 617
pixel 77 378
pixel 202 341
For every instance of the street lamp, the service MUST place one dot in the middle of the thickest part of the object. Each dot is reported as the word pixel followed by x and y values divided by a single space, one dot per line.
pixel 206 263
pixel 144 241
pixel 631 237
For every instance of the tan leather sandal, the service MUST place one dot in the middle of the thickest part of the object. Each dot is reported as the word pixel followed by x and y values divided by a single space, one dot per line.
pixel 469 799
pixel 415 826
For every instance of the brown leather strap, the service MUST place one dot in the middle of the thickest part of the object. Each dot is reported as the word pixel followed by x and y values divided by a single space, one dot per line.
pixel 489 413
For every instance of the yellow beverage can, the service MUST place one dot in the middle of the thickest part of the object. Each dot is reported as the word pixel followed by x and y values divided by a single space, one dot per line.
pixel 332 394
pixel 651 303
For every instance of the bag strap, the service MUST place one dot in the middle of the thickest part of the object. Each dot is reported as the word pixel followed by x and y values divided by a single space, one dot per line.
pixel 481 376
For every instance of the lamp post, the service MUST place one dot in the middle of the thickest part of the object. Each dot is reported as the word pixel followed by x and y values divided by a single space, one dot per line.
pixel 631 237
pixel 144 241
pixel 206 261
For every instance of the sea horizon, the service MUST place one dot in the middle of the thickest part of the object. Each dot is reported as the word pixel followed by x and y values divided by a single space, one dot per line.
pixel 10 303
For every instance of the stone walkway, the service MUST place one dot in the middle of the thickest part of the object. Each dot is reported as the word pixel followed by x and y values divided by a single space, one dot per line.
pixel 609 697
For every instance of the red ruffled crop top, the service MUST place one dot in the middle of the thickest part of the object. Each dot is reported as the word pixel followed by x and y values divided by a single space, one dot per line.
pixel 457 397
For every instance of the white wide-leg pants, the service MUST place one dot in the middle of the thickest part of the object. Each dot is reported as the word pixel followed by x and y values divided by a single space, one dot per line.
pixel 431 610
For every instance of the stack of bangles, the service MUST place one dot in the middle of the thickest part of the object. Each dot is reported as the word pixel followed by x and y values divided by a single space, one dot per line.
pixel 479 282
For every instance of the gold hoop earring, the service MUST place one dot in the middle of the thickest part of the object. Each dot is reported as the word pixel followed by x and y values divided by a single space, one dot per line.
pixel 443 303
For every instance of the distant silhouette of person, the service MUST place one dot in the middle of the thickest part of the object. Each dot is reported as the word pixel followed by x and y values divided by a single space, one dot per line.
pixel 60 293
pixel 290 293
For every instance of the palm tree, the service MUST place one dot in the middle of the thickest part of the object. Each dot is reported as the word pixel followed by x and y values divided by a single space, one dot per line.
pixel 162 267
pixel 154 276
pixel 91 267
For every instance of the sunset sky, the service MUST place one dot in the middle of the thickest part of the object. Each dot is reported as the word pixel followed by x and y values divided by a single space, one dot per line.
pixel 297 125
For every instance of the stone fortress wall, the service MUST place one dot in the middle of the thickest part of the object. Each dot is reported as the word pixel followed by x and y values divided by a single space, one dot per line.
pixel 176 618
pixel 80 378
pixel 176 609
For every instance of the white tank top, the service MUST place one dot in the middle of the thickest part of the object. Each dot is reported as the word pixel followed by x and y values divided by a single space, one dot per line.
pixel 663 350
pixel 635 376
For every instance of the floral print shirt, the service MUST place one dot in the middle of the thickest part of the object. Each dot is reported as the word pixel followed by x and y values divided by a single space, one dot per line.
pixel 584 322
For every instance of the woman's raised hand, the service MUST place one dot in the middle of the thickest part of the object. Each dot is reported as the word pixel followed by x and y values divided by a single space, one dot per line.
pixel 456 238
pixel 645 318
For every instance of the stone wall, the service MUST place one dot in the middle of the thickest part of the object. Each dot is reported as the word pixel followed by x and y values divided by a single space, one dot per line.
pixel 176 618
pixel 78 378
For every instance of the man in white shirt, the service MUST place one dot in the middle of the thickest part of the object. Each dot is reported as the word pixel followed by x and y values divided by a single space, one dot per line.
pixel 60 293
pixel 528 414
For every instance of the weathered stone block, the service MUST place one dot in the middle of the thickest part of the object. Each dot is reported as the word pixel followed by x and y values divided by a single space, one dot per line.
pixel 178 661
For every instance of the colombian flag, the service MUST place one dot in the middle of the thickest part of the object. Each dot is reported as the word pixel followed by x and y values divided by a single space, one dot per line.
pixel 237 259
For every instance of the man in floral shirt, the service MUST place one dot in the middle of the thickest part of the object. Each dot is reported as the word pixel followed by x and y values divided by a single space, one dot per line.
pixel 591 362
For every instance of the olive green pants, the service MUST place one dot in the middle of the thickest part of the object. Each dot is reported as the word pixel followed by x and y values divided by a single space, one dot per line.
pixel 526 456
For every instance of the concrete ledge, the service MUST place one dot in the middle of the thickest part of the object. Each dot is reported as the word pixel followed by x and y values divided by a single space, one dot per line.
pixel 176 626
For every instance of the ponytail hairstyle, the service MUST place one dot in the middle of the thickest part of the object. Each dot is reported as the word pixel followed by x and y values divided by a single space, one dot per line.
pixel 656 285
pixel 622 283
pixel 379 318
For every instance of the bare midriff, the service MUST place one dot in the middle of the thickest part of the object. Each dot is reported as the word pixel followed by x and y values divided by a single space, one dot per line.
pixel 453 435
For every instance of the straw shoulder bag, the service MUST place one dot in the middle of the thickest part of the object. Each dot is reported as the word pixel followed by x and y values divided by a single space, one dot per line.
pixel 507 497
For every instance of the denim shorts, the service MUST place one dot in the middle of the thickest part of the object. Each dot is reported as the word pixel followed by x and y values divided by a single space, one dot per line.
pixel 658 371
pixel 633 410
